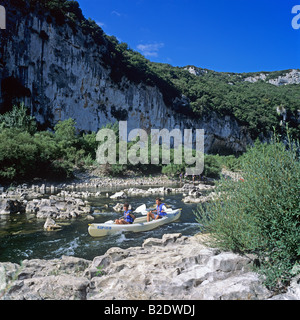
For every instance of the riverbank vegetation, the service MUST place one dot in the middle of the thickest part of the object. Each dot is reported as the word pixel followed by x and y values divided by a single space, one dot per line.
pixel 26 153
pixel 260 213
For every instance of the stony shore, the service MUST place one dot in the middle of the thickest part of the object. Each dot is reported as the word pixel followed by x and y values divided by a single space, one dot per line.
pixel 69 201
pixel 175 267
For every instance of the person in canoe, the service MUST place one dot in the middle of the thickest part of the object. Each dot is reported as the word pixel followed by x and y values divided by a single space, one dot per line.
pixel 160 211
pixel 128 216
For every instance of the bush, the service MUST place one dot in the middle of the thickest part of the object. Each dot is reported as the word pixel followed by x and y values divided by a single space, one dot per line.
pixel 24 155
pixel 173 169
pixel 17 154
pixel 18 118
pixel 260 213
pixel 230 162
pixel 89 144
pixel 212 167
pixel 65 132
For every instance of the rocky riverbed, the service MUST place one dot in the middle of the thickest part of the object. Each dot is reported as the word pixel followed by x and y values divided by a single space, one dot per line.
pixel 72 201
pixel 175 267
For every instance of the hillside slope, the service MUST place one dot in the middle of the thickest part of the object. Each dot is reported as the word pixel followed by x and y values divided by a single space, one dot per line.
pixel 63 65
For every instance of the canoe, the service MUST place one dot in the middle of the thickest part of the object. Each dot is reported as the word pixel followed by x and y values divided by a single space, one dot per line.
pixel 139 225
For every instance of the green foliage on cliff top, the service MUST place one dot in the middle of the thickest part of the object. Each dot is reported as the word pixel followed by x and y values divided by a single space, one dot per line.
pixel 254 105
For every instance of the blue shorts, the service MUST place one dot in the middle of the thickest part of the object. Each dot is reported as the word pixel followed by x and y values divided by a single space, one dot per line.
pixel 129 221
pixel 160 217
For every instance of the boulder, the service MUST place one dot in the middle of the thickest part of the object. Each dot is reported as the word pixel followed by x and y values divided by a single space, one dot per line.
pixel 8 206
pixel 293 292
pixel 201 199
pixel 195 193
pixel 190 199
pixel 119 195
pixel 159 191
pixel 134 192
pixel 47 212
pixel 3 283
pixel 59 279
pixel 5 207
pixel 89 218
pixel 50 225
pixel 62 287
pixel 32 206
pixel 8 272
pixel 246 286
pixel 118 207
pixel 42 189
pixel 58 207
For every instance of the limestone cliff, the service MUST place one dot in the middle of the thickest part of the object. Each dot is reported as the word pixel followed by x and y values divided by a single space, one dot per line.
pixel 61 72
pixel 286 77
pixel 277 78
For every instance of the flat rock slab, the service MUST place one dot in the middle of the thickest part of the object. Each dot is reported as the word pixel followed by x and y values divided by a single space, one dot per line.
pixel 175 267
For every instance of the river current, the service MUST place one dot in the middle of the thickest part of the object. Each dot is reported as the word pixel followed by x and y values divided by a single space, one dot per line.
pixel 22 237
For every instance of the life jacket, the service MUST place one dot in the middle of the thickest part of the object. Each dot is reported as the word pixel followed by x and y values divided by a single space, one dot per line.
pixel 159 210
pixel 127 217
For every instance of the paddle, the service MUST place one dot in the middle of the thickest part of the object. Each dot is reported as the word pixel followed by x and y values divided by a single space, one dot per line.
pixel 141 209
pixel 167 211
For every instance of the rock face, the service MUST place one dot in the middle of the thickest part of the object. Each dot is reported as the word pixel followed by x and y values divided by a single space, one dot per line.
pixel 286 77
pixel 46 280
pixel 174 267
pixel 61 74
pixel 289 77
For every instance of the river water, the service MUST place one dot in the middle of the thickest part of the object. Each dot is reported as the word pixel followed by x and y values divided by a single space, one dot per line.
pixel 22 237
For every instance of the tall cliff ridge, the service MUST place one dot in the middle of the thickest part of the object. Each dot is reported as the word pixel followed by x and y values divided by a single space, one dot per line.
pixel 63 66
pixel 277 78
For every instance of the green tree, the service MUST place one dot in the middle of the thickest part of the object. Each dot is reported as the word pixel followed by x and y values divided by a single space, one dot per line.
pixel 65 131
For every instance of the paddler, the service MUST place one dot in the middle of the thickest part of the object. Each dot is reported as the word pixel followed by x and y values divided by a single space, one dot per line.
pixel 161 211
pixel 128 216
